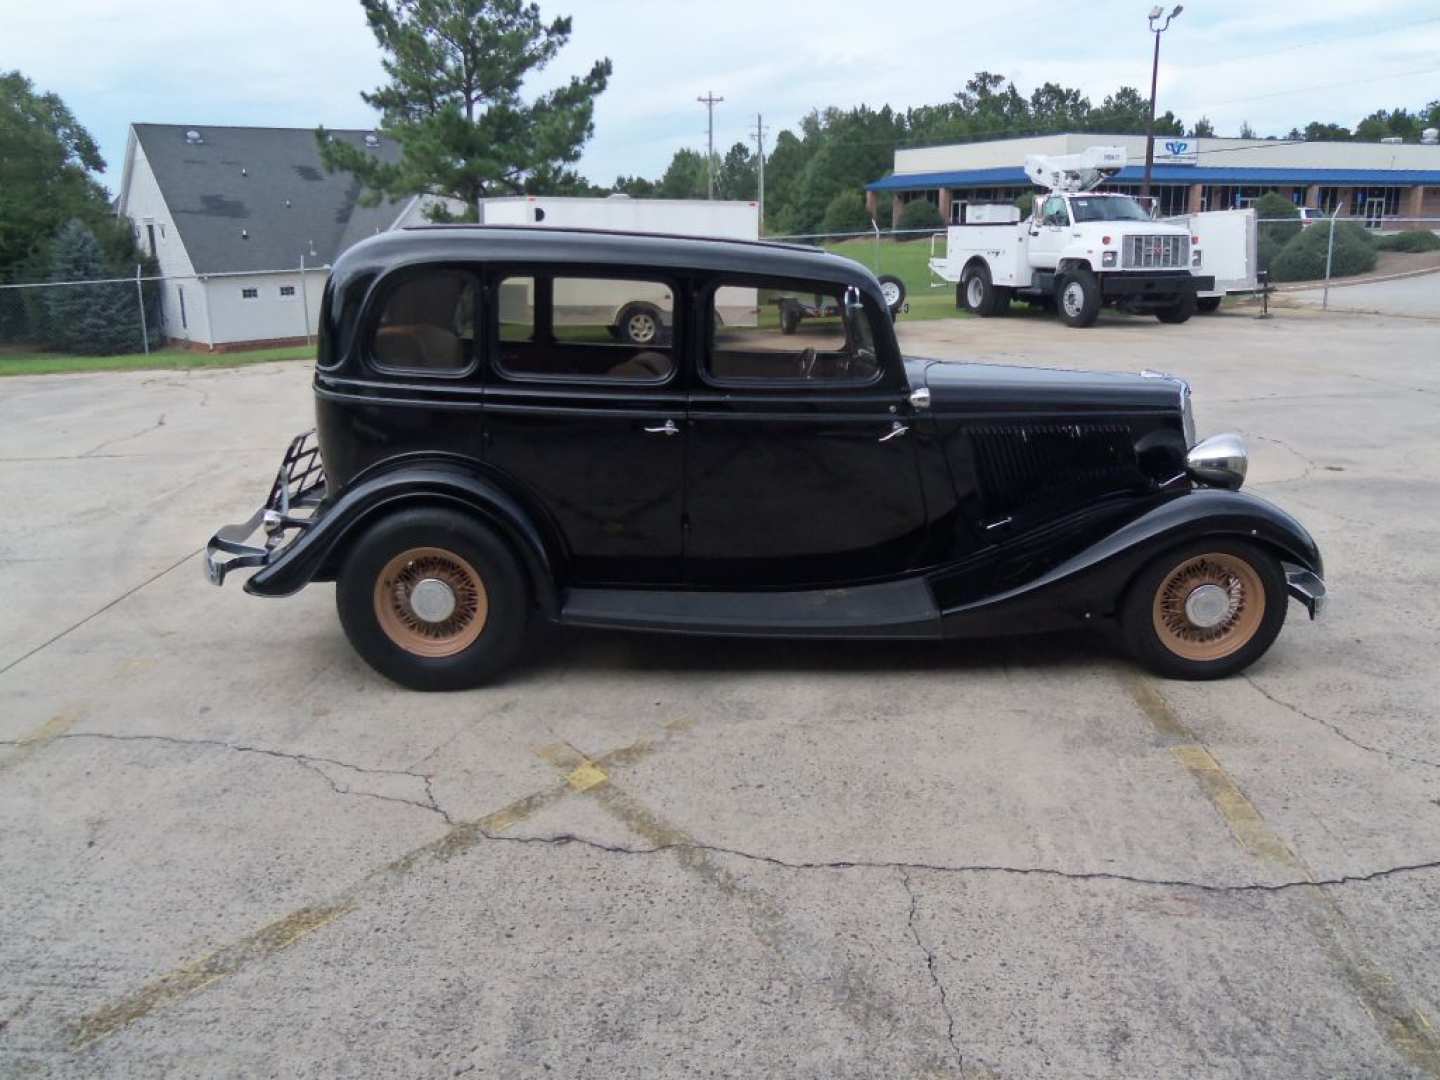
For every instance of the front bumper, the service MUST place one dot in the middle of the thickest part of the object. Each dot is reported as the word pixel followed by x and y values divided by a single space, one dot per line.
pixel 1307 587
pixel 1155 284
pixel 292 506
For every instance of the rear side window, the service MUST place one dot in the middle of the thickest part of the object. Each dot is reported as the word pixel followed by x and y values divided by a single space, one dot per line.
pixel 427 323
pixel 790 333
pixel 585 328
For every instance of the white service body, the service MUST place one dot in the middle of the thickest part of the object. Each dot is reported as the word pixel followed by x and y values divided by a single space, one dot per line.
pixel 1230 240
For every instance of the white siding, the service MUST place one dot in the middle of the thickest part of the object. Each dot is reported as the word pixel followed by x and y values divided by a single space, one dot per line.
pixel 233 318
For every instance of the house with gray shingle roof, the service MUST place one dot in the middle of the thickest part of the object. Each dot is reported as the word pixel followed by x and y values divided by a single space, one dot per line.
pixel 245 223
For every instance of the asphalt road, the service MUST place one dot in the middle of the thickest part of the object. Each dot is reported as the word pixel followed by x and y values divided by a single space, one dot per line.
pixel 229 849
pixel 1418 297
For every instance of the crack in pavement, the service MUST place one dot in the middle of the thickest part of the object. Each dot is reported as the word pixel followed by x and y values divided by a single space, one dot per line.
pixel 126 438
pixel 313 762
pixel 1394 755
pixel 934 976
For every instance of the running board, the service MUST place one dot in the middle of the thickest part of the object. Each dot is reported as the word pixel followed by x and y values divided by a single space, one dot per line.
pixel 897 609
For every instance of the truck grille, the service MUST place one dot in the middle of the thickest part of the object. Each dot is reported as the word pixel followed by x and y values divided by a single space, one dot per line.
pixel 1156 253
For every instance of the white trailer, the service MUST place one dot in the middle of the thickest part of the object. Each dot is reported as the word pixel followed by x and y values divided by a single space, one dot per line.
pixel 1230 239
pixel 638 313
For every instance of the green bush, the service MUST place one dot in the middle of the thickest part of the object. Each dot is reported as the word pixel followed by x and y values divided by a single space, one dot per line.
pixel 845 213
pixel 921 214
pixel 1026 204
pixel 1411 240
pixel 1303 258
pixel 1274 235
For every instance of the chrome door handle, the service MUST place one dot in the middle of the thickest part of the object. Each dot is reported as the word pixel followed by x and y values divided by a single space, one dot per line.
pixel 667 428
pixel 896 428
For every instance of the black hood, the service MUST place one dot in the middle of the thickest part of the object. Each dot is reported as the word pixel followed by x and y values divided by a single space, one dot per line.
pixel 982 388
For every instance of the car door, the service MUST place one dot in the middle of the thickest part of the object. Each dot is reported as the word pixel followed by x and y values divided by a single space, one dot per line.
pixel 1048 236
pixel 587 424
pixel 800 463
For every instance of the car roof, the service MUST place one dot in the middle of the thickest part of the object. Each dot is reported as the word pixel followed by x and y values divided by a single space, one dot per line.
pixel 596 247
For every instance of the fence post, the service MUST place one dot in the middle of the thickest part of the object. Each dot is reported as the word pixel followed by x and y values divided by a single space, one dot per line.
pixel 304 301
pixel 874 225
pixel 140 296
pixel 1329 254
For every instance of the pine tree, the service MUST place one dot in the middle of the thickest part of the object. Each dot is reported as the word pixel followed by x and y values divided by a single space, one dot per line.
pixel 453 101
pixel 93 320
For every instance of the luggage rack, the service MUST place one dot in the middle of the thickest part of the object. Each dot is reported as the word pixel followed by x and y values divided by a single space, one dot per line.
pixel 294 499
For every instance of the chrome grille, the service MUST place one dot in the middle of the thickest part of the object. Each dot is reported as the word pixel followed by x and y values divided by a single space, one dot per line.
pixel 1147 252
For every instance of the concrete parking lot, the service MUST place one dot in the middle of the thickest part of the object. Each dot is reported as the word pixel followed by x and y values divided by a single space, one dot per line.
pixel 229 848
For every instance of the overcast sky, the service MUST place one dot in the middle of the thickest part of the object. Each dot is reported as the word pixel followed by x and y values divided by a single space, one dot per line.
pixel 303 62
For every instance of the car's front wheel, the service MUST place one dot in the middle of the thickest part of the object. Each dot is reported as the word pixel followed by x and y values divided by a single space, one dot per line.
pixel 1077 298
pixel 1205 610
pixel 433 600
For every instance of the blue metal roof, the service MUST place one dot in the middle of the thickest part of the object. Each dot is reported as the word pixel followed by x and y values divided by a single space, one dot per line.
pixel 1013 176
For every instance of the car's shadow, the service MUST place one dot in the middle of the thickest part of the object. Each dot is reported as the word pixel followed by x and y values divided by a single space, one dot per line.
pixel 555 649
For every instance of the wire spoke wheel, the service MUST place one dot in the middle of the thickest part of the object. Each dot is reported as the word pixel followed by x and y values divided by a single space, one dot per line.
pixel 430 602
pixel 1209 606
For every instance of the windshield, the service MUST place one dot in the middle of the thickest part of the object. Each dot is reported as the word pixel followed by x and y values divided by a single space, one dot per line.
pixel 1107 208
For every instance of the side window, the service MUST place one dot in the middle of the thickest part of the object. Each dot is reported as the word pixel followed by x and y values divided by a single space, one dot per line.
pixel 585 328
pixel 788 332
pixel 427 323
pixel 1055 212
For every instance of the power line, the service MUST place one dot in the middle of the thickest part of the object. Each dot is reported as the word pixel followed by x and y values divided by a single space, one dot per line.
pixel 1310 44
pixel 1327 86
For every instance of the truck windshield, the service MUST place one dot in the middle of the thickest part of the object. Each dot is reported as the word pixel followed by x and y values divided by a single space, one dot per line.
pixel 1107 208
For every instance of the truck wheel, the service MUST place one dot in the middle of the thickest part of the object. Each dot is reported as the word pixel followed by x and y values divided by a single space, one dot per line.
pixel 1205 610
pixel 893 290
pixel 1077 298
pixel 1207 305
pixel 639 324
pixel 1178 312
pixel 980 292
pixel 433 600
pixel 789 318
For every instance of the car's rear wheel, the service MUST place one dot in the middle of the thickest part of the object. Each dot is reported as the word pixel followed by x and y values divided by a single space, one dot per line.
pixel 982 296
pixel 1205 610
pixel 639 324
pixel 433 600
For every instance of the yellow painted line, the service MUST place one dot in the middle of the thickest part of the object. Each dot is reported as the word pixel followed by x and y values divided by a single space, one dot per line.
pixel 586 777
pixel 182 982
pixel 1245 822
pixel 34 739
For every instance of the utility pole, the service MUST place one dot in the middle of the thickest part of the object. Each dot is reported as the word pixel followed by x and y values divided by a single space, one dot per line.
pixel 760 164
pixel 710 101
pixel 1156 14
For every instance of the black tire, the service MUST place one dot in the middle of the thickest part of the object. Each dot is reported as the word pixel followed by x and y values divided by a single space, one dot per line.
pixel 639 324
pixel 789 318
pixel 1180 311
pixel 1080 307
pixel 980 292
pixel 893 289
pixel 392 638
pixel 1155 627
pixel 1208 305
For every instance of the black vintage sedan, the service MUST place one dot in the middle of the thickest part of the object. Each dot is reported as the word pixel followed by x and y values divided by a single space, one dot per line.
pixel 623 431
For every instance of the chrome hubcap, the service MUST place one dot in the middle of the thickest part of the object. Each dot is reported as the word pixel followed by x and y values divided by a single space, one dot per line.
pixel 891 292
pixel 642 328
pixel 974 292
pixel 1074 299
pixel 432 600
pixel 1207 606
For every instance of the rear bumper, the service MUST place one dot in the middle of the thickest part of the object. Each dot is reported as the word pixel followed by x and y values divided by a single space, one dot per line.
pixel 1307 587
pixel 1158 284
pixel 292 506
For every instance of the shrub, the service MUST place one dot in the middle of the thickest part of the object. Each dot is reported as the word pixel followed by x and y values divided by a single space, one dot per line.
pixel 1410 240
pixel 1026 203
pixel 845 213
pixel 921 214
pixel 1303 258
pixel 1274 235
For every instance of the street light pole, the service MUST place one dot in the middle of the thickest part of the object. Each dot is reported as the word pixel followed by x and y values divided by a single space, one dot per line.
pixel 1156 14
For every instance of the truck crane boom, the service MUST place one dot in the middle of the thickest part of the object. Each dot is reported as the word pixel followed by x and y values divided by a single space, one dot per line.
pixel 1075 172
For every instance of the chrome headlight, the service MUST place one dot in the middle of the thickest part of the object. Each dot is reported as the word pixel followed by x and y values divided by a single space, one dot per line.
pixel 1219 461
pixel 1108 258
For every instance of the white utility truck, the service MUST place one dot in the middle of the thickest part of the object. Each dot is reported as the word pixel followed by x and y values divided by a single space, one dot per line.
pixel 1080 250
pixel 1230 240
pixel 640 312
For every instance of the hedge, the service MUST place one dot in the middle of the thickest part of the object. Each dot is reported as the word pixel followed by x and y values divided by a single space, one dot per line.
pixel 1411 240
pixel 1303 258
pixel 921 214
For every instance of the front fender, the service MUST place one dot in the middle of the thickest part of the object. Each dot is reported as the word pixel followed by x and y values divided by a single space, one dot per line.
pixel 1091 582
pixel 312 554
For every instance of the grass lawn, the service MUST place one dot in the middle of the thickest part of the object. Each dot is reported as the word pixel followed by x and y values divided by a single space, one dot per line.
pixel 21 360
pixel 909 260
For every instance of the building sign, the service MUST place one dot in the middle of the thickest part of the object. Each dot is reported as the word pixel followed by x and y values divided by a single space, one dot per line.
pixel 1177 152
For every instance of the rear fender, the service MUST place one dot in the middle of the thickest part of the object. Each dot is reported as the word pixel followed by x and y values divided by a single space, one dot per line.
pixel 1091 583
pixel 314 555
